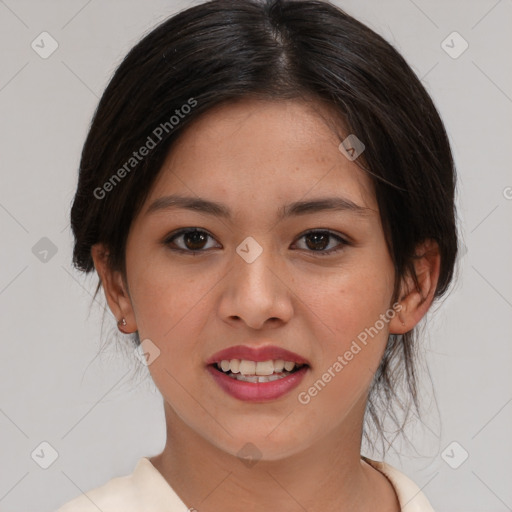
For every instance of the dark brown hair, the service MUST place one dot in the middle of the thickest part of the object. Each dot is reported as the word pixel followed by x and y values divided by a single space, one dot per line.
pixel 224 50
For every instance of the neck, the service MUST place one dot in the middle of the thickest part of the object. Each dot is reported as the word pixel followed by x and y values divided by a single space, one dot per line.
pixel 327 476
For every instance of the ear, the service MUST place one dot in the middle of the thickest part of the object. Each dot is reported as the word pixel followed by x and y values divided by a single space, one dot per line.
pixel 116 291
pixel 414 301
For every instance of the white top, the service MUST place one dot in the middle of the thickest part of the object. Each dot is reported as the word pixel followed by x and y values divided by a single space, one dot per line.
pixel 146 490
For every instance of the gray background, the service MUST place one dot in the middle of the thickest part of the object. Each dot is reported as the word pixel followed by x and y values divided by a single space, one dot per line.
pixel 95 410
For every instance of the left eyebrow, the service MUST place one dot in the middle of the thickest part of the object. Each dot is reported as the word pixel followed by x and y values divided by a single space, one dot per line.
pixel 339 204
pixel 297 208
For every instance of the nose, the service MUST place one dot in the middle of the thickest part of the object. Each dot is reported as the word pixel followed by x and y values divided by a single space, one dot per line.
pixel 257 294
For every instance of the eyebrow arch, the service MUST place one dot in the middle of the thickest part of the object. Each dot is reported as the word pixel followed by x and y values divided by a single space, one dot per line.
pixel 293 209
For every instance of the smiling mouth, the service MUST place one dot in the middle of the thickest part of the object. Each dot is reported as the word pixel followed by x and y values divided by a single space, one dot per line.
pixel 257 371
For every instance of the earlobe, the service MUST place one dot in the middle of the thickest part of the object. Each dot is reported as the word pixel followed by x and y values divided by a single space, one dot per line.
pixel 416 299
pixel 115 290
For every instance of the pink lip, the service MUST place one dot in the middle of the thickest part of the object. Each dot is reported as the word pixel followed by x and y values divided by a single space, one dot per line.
pixel 257 391
pixel 265 353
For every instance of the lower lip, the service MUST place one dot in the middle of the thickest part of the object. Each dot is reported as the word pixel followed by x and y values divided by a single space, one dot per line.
pixel 257 391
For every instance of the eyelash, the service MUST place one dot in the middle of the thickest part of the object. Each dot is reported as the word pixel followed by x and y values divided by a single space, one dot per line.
pixel 170 240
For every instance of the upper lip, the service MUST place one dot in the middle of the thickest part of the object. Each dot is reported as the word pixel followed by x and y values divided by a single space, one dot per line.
pixel 262 353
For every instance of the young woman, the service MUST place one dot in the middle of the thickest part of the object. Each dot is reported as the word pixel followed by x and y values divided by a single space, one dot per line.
pixel 267 195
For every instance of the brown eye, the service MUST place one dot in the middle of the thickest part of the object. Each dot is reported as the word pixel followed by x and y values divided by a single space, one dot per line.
pixel 195 240
pixel 319 241
pixel 189 240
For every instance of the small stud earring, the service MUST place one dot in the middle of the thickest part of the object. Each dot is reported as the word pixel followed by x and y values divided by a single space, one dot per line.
pixel 121 324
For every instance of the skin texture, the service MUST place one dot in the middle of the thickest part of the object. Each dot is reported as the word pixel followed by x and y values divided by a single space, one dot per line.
pixel 255 157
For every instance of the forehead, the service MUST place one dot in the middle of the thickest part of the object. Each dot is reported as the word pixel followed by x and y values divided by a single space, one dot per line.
pixel 271 151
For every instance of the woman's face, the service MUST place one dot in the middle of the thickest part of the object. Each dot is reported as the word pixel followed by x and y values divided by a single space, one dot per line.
pixel 262 274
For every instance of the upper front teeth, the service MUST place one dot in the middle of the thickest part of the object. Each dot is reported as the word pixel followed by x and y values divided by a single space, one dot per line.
pixel 246 367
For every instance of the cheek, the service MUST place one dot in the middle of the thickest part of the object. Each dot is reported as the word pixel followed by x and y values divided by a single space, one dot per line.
pixel 171 304
pixel 348 308
pixel 171 309
pixel 349 299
